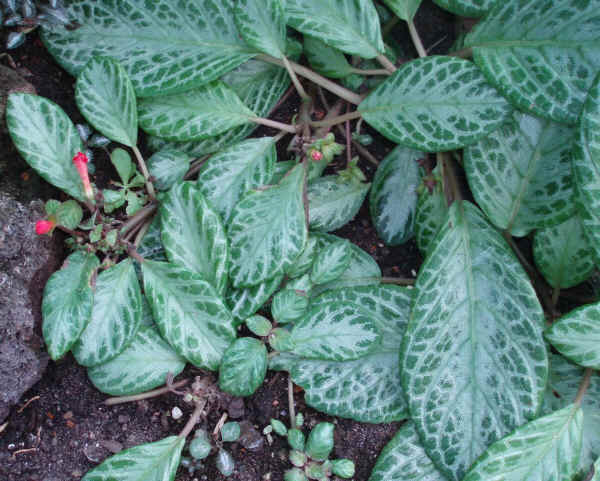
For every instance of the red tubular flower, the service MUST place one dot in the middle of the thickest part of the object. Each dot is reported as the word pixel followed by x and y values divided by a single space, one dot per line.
pixel 44 227
pixel 316 155
pixel 80 160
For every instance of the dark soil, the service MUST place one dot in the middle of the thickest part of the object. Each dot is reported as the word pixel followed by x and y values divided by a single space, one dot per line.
pixel 62 429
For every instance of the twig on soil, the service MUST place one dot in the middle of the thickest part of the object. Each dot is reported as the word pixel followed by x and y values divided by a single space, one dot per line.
pixel 219 424
pixel 24 451
pixel 22 408
pixel 291 404
pixel 3 427
pixel 196 415
pixel 111 401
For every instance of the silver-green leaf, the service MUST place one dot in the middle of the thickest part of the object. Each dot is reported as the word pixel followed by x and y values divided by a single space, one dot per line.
pixel 47 140
pixel 67 302
pixel 165 47
pixel 393 196
pixel 193 235
pixel 106 98
pixel 474 364
pixel 351 26
pixel 262 25
pixel 520 175
pixel 331 262
pixel 431 213
pixel 467 8
pixel 268 231
pixel 116 316
pixel 193 115
pixel 244 367
pixel 245 301
pixel 168 167
pixel 542 56
pixel 156 461
pixel 142 366
pixel 188 312
pixel 546 448
pixel 435 104
pixel 405 9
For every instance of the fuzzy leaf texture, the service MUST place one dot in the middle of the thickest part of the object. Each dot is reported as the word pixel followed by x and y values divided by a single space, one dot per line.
pixel 194 115
pixel 393 196
pixel 67 303
pixel 367 389
pixel 351 26
pixel 245 301
pixel 156 461
pixel 168 167
pixel 165 47
pixel 431 214
pixel 586 167
pixel 142 366
pixel 467 8
pixel 244 367
pixel 116 316
pixel 47 139
pixel 473 361
pixel 267 231
pixel 188 312
pixel 546 448
pixel 262 25
pixel 106 98
pixel 331 262
pixel 521 174
pixel 542 55
pixel 193 235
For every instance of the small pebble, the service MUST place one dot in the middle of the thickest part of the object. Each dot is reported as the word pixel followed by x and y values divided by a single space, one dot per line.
pixel 176 413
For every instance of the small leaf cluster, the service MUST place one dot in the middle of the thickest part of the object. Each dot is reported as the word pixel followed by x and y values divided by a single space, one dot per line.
pixel 200 448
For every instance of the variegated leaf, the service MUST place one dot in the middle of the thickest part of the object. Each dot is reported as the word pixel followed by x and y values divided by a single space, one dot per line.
pixel 405 9
pixel 106 98
pixel 367 389
pixel 142 366
pixel 267 231
pixel 151 246
pixel 467 8
pixel 473 360
pixel 432 212
pixel 244 367
pixel 435 104
pixel 289 305
pixel 232 172
pixel 165 47
pixel 520 175
pixel 47 140
pixel 67 302
pixel 351 26
pixel 193 235
pixel 245 301
pixel 193 115
pixel 168 167
pixel 116 316
pixel 305 260
pixel 334 201
pixel 156 461
pixel 331 262
pixel 262 25
pixel 541 55
pixel 188 312
pixel 326 60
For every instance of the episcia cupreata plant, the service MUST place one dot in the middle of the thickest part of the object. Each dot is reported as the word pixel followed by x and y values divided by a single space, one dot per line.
pixel 489 385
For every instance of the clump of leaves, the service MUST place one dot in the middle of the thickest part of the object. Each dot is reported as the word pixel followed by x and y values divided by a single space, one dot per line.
pixel 240 237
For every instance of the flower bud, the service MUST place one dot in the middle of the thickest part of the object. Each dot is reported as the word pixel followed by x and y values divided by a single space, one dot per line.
pixel 80 161
pixel 44 227
pixel 316 155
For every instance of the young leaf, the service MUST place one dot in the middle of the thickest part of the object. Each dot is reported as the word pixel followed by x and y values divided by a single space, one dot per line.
pixel 473 349
pixel 542 62
pixel 121 159
pixel 67 302
pixel 324 59
pixel 196 114
pixel 331 262
pixel 259 325
pixel 339 331
pixel 576 335
pixel 69 214
pixel 156 461
pixel 546 448
pixel 193 235
pixel 521 174
pixel 142 366
pixel 106 98
pixel 47 140
pixel 168 167
pixel 288 305
pixel 368 389
pixel 563 384
pixel 351 26
pixel 563 254
pixel 165 47
pixel 244 367
pixel 245 301
pixel 586 167
pixel 334 201
pixel 262 25
pixel 232 172
pixel 393 197
pixel 404 459
pixel 116 316
pixel 467 8
pixel 268 231
pixel 305 261
pixel 405 9
pixel 320 441
pixel 435 104
pixel 188 312
pixel 432 212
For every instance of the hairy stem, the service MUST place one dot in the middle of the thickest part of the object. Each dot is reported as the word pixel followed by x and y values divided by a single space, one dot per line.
pixel 401 281
pixel 111 401
pixel 303 95
pixel 291 129
pixel 129 227
pixel 585 383
pixel 337 120
pixel 414 35
pixel 195 167
pixel 316 78
pixel 374 71
pixel 463 53
pixel 145 173
pixel 386 63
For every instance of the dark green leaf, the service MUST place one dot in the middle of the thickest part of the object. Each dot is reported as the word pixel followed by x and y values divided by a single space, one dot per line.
pixel 324 59
pixel 262 25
